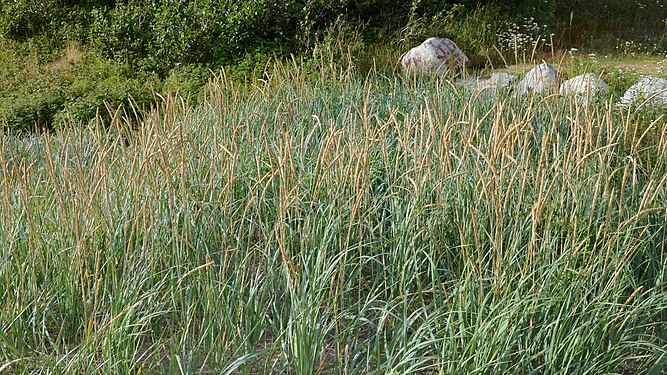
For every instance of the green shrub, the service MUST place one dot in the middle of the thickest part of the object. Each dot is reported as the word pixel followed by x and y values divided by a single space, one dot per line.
pixel 35 107
pixel 88 99
pixel 187 81
pixel 47 96
pixel 24 18
pixel 153 36
pixel 250 66
pixel 119 33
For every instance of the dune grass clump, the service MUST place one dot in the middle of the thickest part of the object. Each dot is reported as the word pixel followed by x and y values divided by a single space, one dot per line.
pixel 316 221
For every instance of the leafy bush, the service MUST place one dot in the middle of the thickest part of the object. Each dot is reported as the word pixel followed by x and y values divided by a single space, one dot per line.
pixel 76 88
pixel 24 18
pixel 119 33
pixel 35 107
pixel 249 67
pixel 104 87
pixel 188 81
pixel 140 33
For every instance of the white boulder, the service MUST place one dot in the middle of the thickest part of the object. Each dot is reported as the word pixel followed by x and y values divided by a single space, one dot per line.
pixel 541 78
pixel 435 55
pixel 653 90
pixel 588 85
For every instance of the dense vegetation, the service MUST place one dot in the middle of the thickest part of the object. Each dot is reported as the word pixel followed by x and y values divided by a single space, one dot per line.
pixel 321 213
pixel 315 222
pixel 66 60
pixel 162 34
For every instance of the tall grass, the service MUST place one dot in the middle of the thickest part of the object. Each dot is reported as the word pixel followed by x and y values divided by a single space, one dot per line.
pixel 316 221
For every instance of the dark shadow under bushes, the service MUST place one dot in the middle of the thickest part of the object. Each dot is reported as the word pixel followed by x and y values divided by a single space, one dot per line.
pixel 604 24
